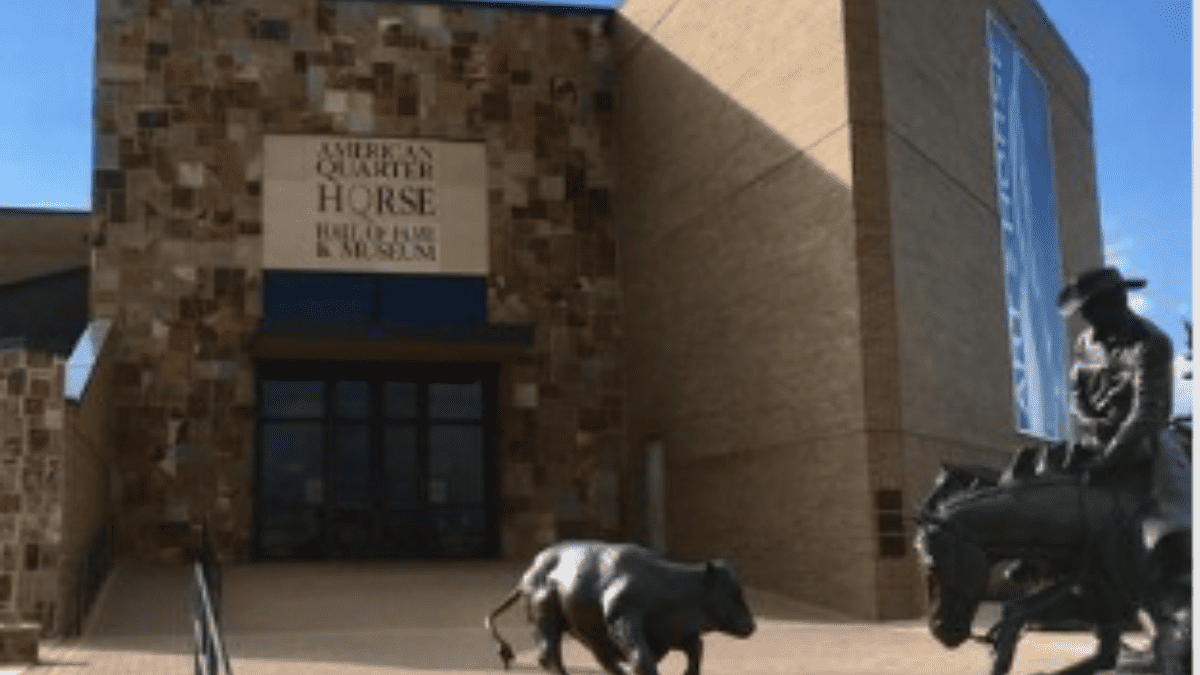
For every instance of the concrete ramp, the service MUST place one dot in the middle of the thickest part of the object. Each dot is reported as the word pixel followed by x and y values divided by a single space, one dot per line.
pixel 427 618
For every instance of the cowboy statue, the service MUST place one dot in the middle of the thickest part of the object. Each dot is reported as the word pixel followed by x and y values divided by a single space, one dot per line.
pixel 1121 385
pixel 1108 517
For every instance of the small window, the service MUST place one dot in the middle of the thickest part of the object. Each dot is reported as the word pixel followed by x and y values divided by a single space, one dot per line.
pixel 889 523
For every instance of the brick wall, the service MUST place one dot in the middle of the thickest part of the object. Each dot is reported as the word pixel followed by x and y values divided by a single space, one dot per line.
pixel 940 380
pixel 87 504
pixel 180 267
pixel 812 264
pixel 738 263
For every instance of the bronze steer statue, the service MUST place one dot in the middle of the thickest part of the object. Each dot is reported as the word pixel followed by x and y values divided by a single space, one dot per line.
pixel 624 603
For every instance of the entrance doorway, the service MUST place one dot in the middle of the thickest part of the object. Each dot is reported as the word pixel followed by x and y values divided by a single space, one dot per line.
pixel 369 460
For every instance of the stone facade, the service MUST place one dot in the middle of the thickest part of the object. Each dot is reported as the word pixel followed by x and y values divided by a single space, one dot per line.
pixel 744 254
pixel 32 469
pixel 185 93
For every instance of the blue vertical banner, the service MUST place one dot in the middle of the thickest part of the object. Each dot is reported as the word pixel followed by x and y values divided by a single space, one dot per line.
pixel 1029 229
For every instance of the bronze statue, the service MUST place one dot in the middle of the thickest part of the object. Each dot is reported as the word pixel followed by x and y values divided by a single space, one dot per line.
pixel 1111 519
pixel 1121 398
pixel 624 603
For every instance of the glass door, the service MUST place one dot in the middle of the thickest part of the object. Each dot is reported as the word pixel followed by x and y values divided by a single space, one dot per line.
pixel 291 491
pixel 361 460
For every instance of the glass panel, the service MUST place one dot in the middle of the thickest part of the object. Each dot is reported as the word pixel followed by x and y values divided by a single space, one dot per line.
pixel 459 530
pixel 83 359
pixel 460 517
pixel 406 532
pixel 292 462
pixel 400 466
pixel 455 464
pixel 351 464
pixel 400 399
pixel 292 491
pixel 282 398
pixel 456 401
pixel 352 399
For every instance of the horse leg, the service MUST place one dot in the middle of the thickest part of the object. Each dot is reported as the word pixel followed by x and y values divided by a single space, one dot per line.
pixel 1005 633
pixel 1109 617
pixel 1172 644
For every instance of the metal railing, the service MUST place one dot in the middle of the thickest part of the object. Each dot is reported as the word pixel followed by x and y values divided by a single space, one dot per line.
pixel 90 573
pixel 210 655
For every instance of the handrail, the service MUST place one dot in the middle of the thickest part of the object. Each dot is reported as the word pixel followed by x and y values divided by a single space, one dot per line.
pixel 210 655
pixel 90 572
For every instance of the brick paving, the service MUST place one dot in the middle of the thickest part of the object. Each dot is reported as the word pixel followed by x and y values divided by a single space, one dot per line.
pixel 310 619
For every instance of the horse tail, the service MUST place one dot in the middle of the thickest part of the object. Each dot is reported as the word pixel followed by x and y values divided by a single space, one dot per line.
pixel 506 652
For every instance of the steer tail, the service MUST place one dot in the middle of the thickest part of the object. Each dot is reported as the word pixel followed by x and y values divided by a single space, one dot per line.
pixel 506 652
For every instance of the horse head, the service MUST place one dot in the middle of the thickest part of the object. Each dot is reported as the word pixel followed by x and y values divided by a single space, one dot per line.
pixel 956 575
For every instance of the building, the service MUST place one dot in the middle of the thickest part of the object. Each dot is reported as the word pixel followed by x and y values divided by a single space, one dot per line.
pixel 387 279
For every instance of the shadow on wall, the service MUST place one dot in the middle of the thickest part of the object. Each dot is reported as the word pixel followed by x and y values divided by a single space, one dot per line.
pixel 740 269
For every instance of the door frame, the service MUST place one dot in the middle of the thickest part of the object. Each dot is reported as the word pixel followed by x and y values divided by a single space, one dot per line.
pixel 420 371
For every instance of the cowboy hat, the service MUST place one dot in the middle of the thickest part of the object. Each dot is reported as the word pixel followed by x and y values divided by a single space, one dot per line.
pixel 1089 284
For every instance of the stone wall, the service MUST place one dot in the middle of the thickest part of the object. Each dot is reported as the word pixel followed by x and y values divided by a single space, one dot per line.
pixel 32 431
pixel 185 93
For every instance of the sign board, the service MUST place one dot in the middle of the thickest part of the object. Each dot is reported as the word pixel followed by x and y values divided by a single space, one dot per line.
pixel 354 204
pixel 1024 163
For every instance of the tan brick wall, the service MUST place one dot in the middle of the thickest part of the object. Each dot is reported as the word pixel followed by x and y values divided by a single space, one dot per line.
pixel 954 372
pixel 741 296
pixel 89 459
pixel 881 321
pixel 181 268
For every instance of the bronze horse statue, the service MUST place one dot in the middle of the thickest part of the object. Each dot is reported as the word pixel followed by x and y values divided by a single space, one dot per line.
pixel 1099 570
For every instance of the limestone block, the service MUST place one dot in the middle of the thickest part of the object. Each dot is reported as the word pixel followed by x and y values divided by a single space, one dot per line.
pixel 525 395
pixel 19 641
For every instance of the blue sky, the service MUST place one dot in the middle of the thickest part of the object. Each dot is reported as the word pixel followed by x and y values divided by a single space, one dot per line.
pixel 1138 54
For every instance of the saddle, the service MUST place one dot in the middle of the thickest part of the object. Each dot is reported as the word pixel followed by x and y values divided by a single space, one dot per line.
pixel 1167 508
pixel 1055 460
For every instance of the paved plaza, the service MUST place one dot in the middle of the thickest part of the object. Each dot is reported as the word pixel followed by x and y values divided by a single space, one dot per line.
pixel 362 618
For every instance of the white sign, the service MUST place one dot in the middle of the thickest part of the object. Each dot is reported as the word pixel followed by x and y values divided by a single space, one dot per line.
pixel 353 204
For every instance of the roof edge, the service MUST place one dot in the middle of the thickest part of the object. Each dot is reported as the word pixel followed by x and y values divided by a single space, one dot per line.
pixel 41 211
pixel 514 6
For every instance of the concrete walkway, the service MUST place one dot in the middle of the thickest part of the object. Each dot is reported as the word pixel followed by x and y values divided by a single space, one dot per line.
pixel 363 618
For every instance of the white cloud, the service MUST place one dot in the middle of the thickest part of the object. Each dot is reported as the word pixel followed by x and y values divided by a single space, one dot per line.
pixel 1139 303
pixel 1183 388
pixel 54 205
pixel 1116 249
